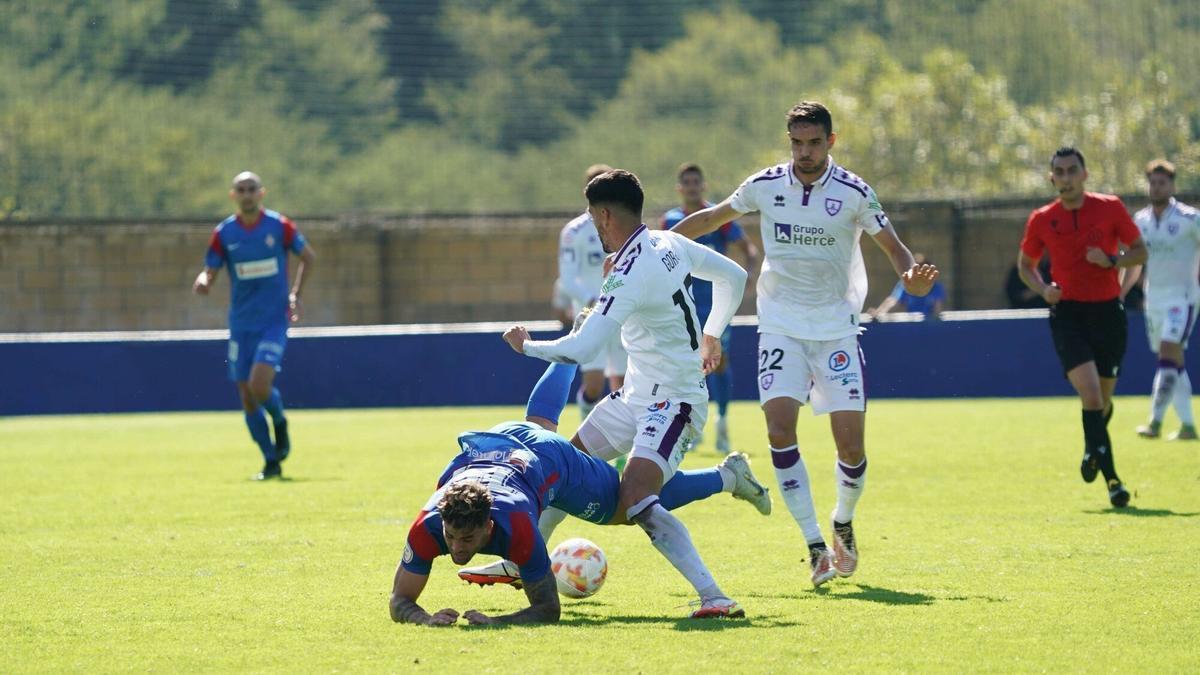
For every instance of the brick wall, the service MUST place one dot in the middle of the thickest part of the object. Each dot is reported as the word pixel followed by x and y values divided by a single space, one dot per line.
pixel 123 276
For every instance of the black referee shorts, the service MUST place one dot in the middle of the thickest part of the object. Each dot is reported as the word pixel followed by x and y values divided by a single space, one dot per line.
pixel 1089 331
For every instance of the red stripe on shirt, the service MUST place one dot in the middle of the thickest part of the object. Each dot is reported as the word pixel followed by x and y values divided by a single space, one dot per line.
pixel 521 547
pixel 289 232
pixel 421 541
pixel 214 244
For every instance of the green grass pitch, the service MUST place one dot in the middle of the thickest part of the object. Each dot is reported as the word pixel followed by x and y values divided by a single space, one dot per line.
pixel 138 542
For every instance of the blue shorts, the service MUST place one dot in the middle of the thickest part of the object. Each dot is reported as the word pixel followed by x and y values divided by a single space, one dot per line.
pixel 247 348
pixel 579 484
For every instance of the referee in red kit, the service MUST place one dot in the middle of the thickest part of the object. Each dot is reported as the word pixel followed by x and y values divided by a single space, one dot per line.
pixel 1082 232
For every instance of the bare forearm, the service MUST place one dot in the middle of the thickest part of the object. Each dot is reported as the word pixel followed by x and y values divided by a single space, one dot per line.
pixel 303 271
pixel 901 258
pixel 408 611
pixel 1032 278
pixel 543 608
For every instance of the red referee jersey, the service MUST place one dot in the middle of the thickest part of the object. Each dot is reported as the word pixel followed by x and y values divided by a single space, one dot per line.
pixel 1102 221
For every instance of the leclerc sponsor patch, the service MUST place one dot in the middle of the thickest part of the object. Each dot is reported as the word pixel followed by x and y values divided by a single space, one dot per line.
pixel 257 269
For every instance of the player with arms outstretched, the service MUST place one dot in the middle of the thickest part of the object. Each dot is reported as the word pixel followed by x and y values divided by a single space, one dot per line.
pixel 254 244
pixel 690 185
pixel 1171 230
pixel 810 294
pixel 491 498
pixel 663 403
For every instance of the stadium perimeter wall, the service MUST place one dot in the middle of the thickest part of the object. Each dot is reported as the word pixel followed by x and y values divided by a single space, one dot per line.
pixel 391 269
pixel 383 366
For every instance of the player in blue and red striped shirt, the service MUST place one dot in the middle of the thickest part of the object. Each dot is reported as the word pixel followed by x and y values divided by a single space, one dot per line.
pixel 254 244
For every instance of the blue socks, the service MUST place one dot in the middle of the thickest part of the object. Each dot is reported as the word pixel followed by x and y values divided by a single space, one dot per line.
pixel 274 406
pixel 686 487
pixel 721 386
pixel 257 423
pixel 549 395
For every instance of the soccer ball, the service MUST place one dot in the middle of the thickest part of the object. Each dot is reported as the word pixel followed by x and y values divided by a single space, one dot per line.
pixel 579 568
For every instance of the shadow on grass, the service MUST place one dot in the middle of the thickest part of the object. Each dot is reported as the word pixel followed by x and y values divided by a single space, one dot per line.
pixel 299 479
pixel 884 596
pixel 675 622
pixel 1135 512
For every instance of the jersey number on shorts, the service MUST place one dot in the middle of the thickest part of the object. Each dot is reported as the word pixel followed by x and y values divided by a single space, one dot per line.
pixel 765 355
pixel 681 300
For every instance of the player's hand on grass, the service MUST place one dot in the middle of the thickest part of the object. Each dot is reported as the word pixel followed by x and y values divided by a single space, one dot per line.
pixel 294 307
pixel 478 618
pixel 1052 294
pixel 444 617
pixel 516 337
pixel 918 280
pixel 1098 257
pixel 710 353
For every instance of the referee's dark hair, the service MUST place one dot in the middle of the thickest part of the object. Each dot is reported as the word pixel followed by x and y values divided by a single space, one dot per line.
pixel 1161 166
pixel 465 505
pixel 616 188
pixel 1068 151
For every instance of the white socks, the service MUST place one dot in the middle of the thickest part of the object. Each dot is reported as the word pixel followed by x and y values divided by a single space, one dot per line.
pixel 671 538
pixel 1163 392
pixel 797 494
pixel 549 520
pixel 850 480
pixel 1183 398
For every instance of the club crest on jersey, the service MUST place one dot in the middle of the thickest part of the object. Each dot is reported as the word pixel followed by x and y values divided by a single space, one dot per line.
pixel 1172 228
pixel 661 405
pixel 766 381
pixel 839 361
pixel 270 241
pixel 832 206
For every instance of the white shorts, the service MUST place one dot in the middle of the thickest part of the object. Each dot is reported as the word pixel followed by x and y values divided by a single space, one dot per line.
pixel 661 432
pixel 611 359
pixel 1170 320
pixel 831 372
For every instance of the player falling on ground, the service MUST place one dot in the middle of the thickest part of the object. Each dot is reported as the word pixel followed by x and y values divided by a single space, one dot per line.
pixel 490 499
pixel 581 272
pixel 663 403
pixel 1082 231
pixel 254 244
pixel 810 295
pixel 690 185
pixel 1171 230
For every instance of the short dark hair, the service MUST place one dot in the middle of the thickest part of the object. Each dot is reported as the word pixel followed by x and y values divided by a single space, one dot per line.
pixel 1068 151
pixel 618 187
pixel 689 167
pixel 810 112
pixel 593 171
pixel 465 505
pixel 1161 166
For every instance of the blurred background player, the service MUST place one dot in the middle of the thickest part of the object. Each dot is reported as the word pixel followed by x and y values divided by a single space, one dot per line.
pixel 810 294
pixel 931 304
pixel 580 275
pixel 254 244
pixel 492 498
pixel 1171 230
pixel 691 187
pixel 663 403
pixel 1082 233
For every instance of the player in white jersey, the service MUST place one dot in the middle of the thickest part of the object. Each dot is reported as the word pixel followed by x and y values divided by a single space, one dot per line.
pixel 1171 230
pixel 663 403
pixel 580 274
pixel 810 294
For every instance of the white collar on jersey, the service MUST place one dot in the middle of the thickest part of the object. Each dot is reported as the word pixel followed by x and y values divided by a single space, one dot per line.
pixel 830 165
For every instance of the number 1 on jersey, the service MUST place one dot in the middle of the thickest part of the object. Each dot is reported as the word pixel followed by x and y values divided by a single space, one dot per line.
pixel 681 300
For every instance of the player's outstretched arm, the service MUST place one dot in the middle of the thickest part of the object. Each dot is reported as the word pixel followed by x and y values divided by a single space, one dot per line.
pixel 579 346
pixel 543 606
pixel 704 221
pixel 403 606
pixel 204 280
pixel 918 279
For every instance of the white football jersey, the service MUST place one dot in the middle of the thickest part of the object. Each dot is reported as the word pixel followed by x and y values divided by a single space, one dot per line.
pixel 647 293
pixel 813 281
pixel 1174 244
pixel 580 261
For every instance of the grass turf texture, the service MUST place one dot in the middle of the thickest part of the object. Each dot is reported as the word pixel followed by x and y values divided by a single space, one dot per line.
pixel 139 542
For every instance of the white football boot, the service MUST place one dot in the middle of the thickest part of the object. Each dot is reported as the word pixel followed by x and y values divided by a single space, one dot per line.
pixel 746 486
pixel 499 572
pixel 845 550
